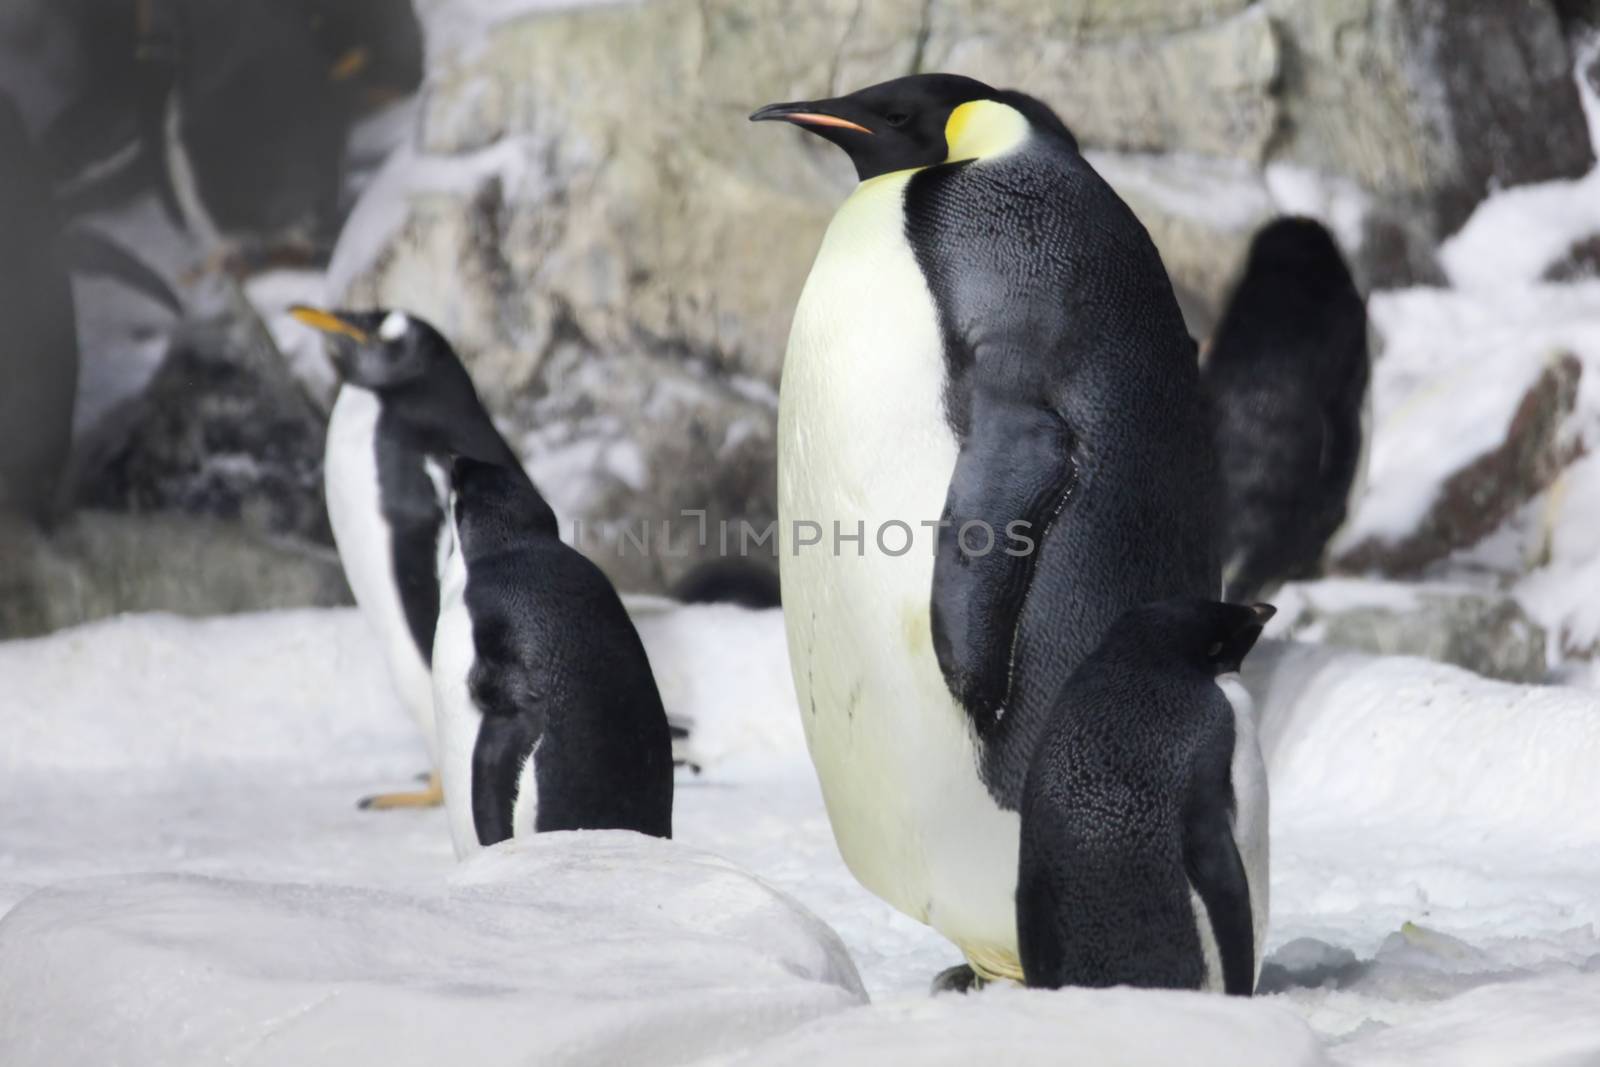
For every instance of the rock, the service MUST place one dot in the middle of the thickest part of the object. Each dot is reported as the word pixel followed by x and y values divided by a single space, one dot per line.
pixel 223 430
pixel 1488 633
pixel 640 230
pixel 1581 261
pixel 567 948
pixel 97 564
pixel 1482 490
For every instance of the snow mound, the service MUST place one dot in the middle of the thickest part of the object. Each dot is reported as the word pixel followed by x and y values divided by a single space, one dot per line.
pixel 592 948
pixel 1351 739
pixel 1063 1028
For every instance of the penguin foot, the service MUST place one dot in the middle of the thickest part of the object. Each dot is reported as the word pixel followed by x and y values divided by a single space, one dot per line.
pixel 958 979
pixel 430 797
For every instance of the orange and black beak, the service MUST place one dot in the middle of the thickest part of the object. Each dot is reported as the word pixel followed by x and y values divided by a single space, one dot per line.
pixel 818 115
pixel 330 322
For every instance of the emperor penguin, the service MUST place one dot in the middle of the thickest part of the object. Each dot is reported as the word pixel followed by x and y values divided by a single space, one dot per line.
pixel 1287 378
pixel 549 716
pixel 404 397
pixel 989 379
pixel 1144 823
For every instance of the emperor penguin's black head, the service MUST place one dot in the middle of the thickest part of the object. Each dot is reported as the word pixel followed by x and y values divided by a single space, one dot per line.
pixel 1208 635
pixel 918 121
pixel 379 350
pixel 494 507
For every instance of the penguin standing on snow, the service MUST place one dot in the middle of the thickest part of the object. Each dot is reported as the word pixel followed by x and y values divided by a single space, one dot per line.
pixel 1144 823
pixel 987 355
pixel 404 402
pixel 549 717
pixel 1287 378
pixel 404 397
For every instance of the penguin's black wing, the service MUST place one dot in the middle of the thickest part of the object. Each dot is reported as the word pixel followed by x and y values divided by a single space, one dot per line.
pixel 509 693
pixel 1211 860
pixel 1012 477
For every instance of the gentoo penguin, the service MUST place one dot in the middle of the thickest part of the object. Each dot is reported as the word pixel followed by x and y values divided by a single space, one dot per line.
pixel 1144 819
pixel 1287 377
pixel 404 397
pixel 549 717
pixel 989 373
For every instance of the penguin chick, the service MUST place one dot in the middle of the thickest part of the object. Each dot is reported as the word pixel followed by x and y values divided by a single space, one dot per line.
pixel 549 717
pixel 1287 379
pixel 1144 818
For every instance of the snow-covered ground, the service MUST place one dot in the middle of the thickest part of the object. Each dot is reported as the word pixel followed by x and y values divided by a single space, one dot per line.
pixel 1436 877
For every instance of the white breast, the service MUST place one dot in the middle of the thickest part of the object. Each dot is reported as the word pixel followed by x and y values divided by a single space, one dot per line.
pixel 458 716
pixel 863 440
pixel 350 472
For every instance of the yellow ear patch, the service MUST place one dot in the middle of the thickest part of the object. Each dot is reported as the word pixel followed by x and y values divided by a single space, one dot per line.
pixel 982 129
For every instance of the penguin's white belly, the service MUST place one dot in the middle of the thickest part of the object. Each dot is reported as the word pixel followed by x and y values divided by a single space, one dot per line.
pixel 350 474
pixel 863 444
pixel 459 718
pixel 1249 831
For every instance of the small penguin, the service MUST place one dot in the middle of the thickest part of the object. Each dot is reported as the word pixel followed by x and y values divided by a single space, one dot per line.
pixel 404 397
pixel 1287 378
pixel 549 717
pixel 988 356
pixel 1144 824
pixel 404 400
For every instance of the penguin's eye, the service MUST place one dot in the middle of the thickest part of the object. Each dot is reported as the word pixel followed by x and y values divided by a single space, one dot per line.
pixel 897 118
pixel 1215 650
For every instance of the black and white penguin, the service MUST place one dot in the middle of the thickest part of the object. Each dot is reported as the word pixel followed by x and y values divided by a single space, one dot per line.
pixel 549 716
pixel 405 400
pixel 404 396
pixel 987 346
pixel 1144 823
pixel 1287 376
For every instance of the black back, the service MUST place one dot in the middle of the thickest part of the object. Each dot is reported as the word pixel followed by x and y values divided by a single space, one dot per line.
pixel 1129 801
pixel 1287 377
pixel 1073 390
pixel 560 672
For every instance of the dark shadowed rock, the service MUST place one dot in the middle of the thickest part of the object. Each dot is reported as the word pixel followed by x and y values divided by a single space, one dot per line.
pixel 96 564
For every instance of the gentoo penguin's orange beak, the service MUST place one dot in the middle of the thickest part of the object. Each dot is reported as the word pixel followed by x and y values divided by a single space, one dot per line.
pixel 801 115
pixel 328 322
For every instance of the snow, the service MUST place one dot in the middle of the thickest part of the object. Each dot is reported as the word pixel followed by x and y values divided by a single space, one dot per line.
pixel 182 792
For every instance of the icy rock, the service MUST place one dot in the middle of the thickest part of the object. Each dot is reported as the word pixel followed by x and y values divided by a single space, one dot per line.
pixel 224 430
pixel 96 564
pixel 1581 260
pixel 1062 1028
pixel 1472 492
pixel 593 948
pixel 1486 632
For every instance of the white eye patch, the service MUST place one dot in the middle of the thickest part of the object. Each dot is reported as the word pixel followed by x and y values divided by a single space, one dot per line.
pixel 394 326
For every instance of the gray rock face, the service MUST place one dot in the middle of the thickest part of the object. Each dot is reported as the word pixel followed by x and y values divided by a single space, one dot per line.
pixel 1486 491
pixel 223 431
pixel 103 563
pixel 643 233
pixel 1485 632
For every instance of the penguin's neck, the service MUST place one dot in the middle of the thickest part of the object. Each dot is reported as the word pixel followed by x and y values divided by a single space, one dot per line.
pixel 985 129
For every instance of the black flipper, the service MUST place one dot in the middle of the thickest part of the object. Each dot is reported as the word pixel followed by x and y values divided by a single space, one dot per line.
pixel 1212 861
pixel 504 744
pixel 1015 467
